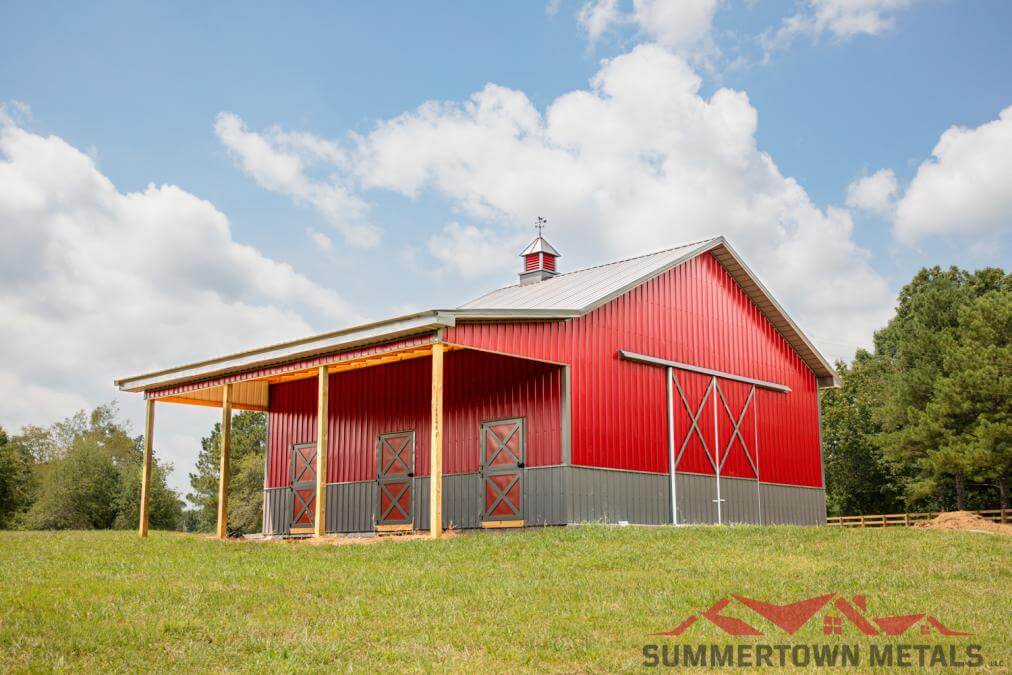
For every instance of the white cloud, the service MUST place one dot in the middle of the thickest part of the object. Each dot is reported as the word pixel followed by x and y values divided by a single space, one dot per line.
pixel 320 239
pixel 680 26
pixel 683 26
pixel 97 284
pixel 873 193
pixel 277 160
pixel 843 19
pixel 474 252
pixel 965 188
pixel 637 162
pixel 597 16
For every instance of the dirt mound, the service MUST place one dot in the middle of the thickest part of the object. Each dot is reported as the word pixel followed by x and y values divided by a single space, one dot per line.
pixel 964 520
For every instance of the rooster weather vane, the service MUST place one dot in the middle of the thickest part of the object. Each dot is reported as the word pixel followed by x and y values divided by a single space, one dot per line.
pixel 539 224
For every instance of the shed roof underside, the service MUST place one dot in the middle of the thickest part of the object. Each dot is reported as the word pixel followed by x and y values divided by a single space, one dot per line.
pixel 563 296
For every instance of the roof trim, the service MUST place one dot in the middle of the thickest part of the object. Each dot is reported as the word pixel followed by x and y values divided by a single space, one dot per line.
pixel 758 293
pixel 479 314
pixel 380 331
pixel 767 303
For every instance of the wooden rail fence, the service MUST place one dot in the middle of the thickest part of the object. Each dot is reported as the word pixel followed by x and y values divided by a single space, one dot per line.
pixel 908 519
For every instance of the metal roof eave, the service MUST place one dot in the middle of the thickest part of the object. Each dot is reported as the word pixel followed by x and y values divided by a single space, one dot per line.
pixel 478 314
pixel 380 331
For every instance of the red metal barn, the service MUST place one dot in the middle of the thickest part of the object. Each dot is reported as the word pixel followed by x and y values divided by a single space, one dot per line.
pixel 667 388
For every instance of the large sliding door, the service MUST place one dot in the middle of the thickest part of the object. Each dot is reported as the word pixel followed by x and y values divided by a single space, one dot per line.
pixel 715 453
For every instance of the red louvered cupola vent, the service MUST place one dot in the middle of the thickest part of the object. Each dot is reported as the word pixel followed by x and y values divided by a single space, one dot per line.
pixel 539 259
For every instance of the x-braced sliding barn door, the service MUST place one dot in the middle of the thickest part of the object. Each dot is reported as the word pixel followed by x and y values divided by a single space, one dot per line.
pixel 303 488
pixel 502 472
pixel 395 474
pixel 715 434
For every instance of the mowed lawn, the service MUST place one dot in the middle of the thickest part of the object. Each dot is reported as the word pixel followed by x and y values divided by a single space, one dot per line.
pixel 559 599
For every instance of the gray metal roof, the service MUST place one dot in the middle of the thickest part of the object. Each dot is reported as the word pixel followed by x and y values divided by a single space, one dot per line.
pixel 540 245
pixel 585 289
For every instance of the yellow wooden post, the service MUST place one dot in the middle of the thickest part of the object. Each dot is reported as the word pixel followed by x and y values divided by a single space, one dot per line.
pixel 226 449
pixel 149 428
pixel 322 417
pixel 436 449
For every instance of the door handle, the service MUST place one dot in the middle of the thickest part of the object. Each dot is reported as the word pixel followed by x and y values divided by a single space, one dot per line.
pixel 520 465
pixel 411 474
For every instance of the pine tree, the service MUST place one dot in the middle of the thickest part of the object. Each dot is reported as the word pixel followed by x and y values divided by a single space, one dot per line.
pixel 246 475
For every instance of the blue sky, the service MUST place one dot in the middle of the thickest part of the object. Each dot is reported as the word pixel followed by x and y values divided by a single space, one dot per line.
pixel 282 138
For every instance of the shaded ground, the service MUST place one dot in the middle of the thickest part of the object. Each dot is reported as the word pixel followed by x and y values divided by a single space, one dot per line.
pixel 559 599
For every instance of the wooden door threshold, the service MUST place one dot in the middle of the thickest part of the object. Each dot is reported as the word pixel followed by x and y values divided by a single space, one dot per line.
pixel 490 524
pixel 395 528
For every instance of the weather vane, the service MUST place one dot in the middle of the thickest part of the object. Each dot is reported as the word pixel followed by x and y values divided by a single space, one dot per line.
pixel 540 224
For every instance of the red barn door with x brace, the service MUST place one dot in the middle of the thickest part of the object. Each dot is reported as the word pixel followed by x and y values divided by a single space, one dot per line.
pixel 502 472
pixel 303 488
pixel 395 469
pixel 714 436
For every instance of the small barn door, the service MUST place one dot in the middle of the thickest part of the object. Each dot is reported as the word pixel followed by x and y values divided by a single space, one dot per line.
pixel 303 488
pixel 502 472
pixel 395 474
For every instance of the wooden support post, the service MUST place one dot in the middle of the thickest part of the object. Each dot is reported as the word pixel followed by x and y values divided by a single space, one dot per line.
pixel 226 450
pixel 436 444
pixel 322 418
pixel 149 429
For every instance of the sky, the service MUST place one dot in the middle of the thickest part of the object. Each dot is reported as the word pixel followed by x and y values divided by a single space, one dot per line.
pixel 185 180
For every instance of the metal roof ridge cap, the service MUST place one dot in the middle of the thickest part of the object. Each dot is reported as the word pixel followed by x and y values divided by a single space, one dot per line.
pixel 562 275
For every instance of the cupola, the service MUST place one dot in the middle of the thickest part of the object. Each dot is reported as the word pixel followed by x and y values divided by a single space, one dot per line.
pixel 539 258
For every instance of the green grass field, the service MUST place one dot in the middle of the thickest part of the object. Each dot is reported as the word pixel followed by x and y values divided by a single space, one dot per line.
pixel 561 599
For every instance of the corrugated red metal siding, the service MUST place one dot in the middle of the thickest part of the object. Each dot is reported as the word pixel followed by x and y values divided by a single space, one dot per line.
pixel 694 314
pixel 396 397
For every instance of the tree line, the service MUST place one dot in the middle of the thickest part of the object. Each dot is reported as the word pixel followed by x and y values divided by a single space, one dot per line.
pixel 922 421
pixel 84 473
